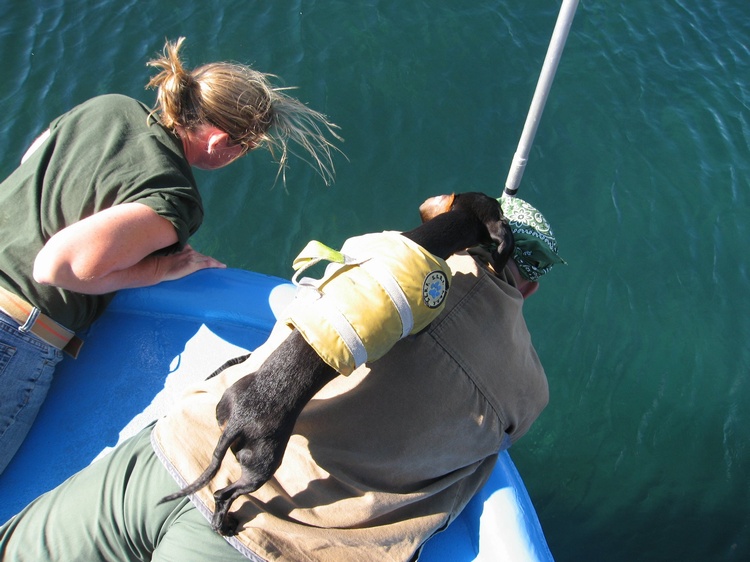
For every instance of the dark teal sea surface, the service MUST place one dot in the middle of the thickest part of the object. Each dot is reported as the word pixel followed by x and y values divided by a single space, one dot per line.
pixel 641 163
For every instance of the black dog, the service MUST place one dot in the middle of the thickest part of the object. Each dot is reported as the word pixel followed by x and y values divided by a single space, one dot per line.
pixel 258 412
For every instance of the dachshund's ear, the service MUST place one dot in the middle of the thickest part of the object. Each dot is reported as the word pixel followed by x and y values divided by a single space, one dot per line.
pixel 435 206
pixel 502 236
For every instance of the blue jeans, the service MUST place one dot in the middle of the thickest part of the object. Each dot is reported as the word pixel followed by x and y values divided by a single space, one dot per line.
pixel 26 368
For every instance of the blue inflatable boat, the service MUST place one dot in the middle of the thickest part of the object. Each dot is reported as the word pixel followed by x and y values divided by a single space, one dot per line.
pixel 151 342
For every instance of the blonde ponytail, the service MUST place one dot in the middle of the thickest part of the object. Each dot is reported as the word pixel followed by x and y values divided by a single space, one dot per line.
pixel 174 101
pixel 241 102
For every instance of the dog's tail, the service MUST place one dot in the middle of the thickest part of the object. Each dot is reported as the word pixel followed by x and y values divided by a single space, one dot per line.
pixel 225 441
pixel 230 363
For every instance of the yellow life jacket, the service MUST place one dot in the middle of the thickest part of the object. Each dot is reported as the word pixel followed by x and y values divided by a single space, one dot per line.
pixel 378 289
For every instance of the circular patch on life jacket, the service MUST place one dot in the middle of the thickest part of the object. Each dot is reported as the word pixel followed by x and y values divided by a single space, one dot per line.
pixel 435 288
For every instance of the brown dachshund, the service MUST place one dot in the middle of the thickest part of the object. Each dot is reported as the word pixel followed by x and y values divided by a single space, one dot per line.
pixel 258 412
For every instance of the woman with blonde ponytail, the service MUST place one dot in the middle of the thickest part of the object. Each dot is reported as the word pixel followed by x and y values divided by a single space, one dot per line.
pixel 106 199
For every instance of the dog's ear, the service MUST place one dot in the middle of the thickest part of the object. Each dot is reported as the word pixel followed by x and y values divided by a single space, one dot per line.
pixel 435 206
pixel 502 237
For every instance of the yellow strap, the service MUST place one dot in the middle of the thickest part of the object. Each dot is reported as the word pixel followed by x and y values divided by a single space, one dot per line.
pixel 314 252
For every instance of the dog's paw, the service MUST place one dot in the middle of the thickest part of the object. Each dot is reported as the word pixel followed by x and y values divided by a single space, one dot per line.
pixel 225 525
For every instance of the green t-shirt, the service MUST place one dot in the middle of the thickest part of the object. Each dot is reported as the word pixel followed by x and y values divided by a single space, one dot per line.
pixel 99 154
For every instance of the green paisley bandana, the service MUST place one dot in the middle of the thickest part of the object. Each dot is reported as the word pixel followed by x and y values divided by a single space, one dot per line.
pixel 536 247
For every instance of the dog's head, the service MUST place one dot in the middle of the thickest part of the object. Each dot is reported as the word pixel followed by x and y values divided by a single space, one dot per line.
pixel 488 212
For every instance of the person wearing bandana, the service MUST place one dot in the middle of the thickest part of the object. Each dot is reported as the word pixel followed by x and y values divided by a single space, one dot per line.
pixel 379 462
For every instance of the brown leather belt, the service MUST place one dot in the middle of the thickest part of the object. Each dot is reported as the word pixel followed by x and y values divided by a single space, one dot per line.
pixel 30 319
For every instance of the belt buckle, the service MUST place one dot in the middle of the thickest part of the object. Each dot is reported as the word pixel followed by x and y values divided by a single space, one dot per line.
pixel 30 320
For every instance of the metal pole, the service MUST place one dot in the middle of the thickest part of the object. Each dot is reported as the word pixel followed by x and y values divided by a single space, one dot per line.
pixel 554 52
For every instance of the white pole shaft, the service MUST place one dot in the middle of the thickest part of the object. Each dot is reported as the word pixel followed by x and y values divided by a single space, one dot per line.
pixel 547 75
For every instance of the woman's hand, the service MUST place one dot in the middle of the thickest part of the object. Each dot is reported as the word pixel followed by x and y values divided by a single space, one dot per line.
pixel 176 266
pixel 112 249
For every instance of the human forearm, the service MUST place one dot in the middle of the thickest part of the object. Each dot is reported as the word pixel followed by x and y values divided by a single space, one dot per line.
pixel 149 271
pixel 114 249
pixel 144 273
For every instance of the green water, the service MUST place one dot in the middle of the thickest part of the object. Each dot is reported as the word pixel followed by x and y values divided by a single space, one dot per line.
pixel 640 162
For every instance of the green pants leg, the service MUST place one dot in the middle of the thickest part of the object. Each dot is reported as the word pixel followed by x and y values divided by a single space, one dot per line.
pixel 109 511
